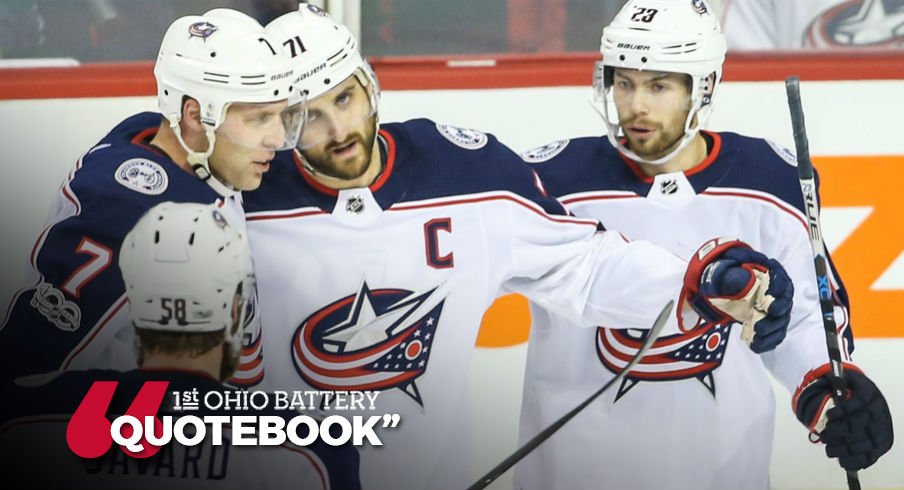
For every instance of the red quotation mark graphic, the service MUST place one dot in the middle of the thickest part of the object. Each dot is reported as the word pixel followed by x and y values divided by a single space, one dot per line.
pixel 88 432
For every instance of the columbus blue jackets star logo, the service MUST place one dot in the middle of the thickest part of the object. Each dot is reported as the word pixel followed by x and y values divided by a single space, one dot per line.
pixel 202 30
pixel 858 23
pixel 371 340
pixel 694 354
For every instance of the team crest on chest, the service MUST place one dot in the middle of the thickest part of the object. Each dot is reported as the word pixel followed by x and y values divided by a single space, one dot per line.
pixel 545 152
pixel 694 354
pixel 470 139
pixel 374 339
pixel 142 175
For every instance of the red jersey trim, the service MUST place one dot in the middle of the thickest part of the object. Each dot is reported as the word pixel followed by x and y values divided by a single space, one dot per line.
pixel 710 158
pixel 374 187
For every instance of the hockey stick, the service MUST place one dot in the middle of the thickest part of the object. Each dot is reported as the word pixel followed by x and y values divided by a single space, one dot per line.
pixel 808 186
pixel 507 463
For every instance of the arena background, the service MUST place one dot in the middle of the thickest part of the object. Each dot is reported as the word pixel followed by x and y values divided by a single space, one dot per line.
pixel 853 101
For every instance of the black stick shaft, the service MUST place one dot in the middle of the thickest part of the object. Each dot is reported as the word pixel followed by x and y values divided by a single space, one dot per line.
pixel 807 177
pixel 530 445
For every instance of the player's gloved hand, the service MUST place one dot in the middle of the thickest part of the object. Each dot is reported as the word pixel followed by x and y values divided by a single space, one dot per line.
pixel 726 280
pixel 857 431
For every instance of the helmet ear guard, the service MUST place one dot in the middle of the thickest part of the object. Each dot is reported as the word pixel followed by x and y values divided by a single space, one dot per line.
pixel 663 36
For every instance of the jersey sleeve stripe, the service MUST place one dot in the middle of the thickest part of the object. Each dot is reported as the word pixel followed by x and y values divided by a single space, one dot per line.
pixel 287 214
pixel 597 196
pixel 747 194
pixel 488 198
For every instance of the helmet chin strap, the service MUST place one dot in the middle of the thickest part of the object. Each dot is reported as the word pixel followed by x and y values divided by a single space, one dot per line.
pixel 200 165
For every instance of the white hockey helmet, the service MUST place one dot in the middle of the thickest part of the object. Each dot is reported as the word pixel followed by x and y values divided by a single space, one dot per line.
pixel 325 53
pixel 676 36
pixel 218 58
pixel 183 265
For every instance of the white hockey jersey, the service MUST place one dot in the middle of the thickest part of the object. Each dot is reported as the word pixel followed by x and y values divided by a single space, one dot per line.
pixel 383 288
pixel 809 24
pixel 698 411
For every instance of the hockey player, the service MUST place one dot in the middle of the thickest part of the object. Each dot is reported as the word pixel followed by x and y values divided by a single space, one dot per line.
pixel 223 90
pixel 700 409
pixel 378 248
pixel 190 333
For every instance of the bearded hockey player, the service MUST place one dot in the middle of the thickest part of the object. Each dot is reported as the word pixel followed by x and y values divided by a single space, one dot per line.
pixel 699 412
pixel 378 247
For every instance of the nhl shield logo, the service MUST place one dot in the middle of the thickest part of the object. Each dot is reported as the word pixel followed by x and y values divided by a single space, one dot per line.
pixel 372 340
pixel 354 205
pixel 668 187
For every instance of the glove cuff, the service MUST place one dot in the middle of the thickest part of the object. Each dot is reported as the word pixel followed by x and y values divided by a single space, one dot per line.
pixel 816 388
pixel 708 253
pixel 814 375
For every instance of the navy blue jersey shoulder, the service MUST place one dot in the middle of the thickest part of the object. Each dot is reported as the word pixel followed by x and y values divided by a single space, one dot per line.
pixel 447 161
pixel 757 165
pixel 593 164
pixel 126 129
pixel 123 170
pixel 424 163
pixel 587 164
pixel 283 187
pixel 118 180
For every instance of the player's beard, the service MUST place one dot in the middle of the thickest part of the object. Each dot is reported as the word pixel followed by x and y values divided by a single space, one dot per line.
pixel 667 136
pixel 325 162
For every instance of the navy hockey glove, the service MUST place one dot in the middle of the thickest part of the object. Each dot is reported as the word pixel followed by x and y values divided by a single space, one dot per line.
pixel 728 281
pixel 857 431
